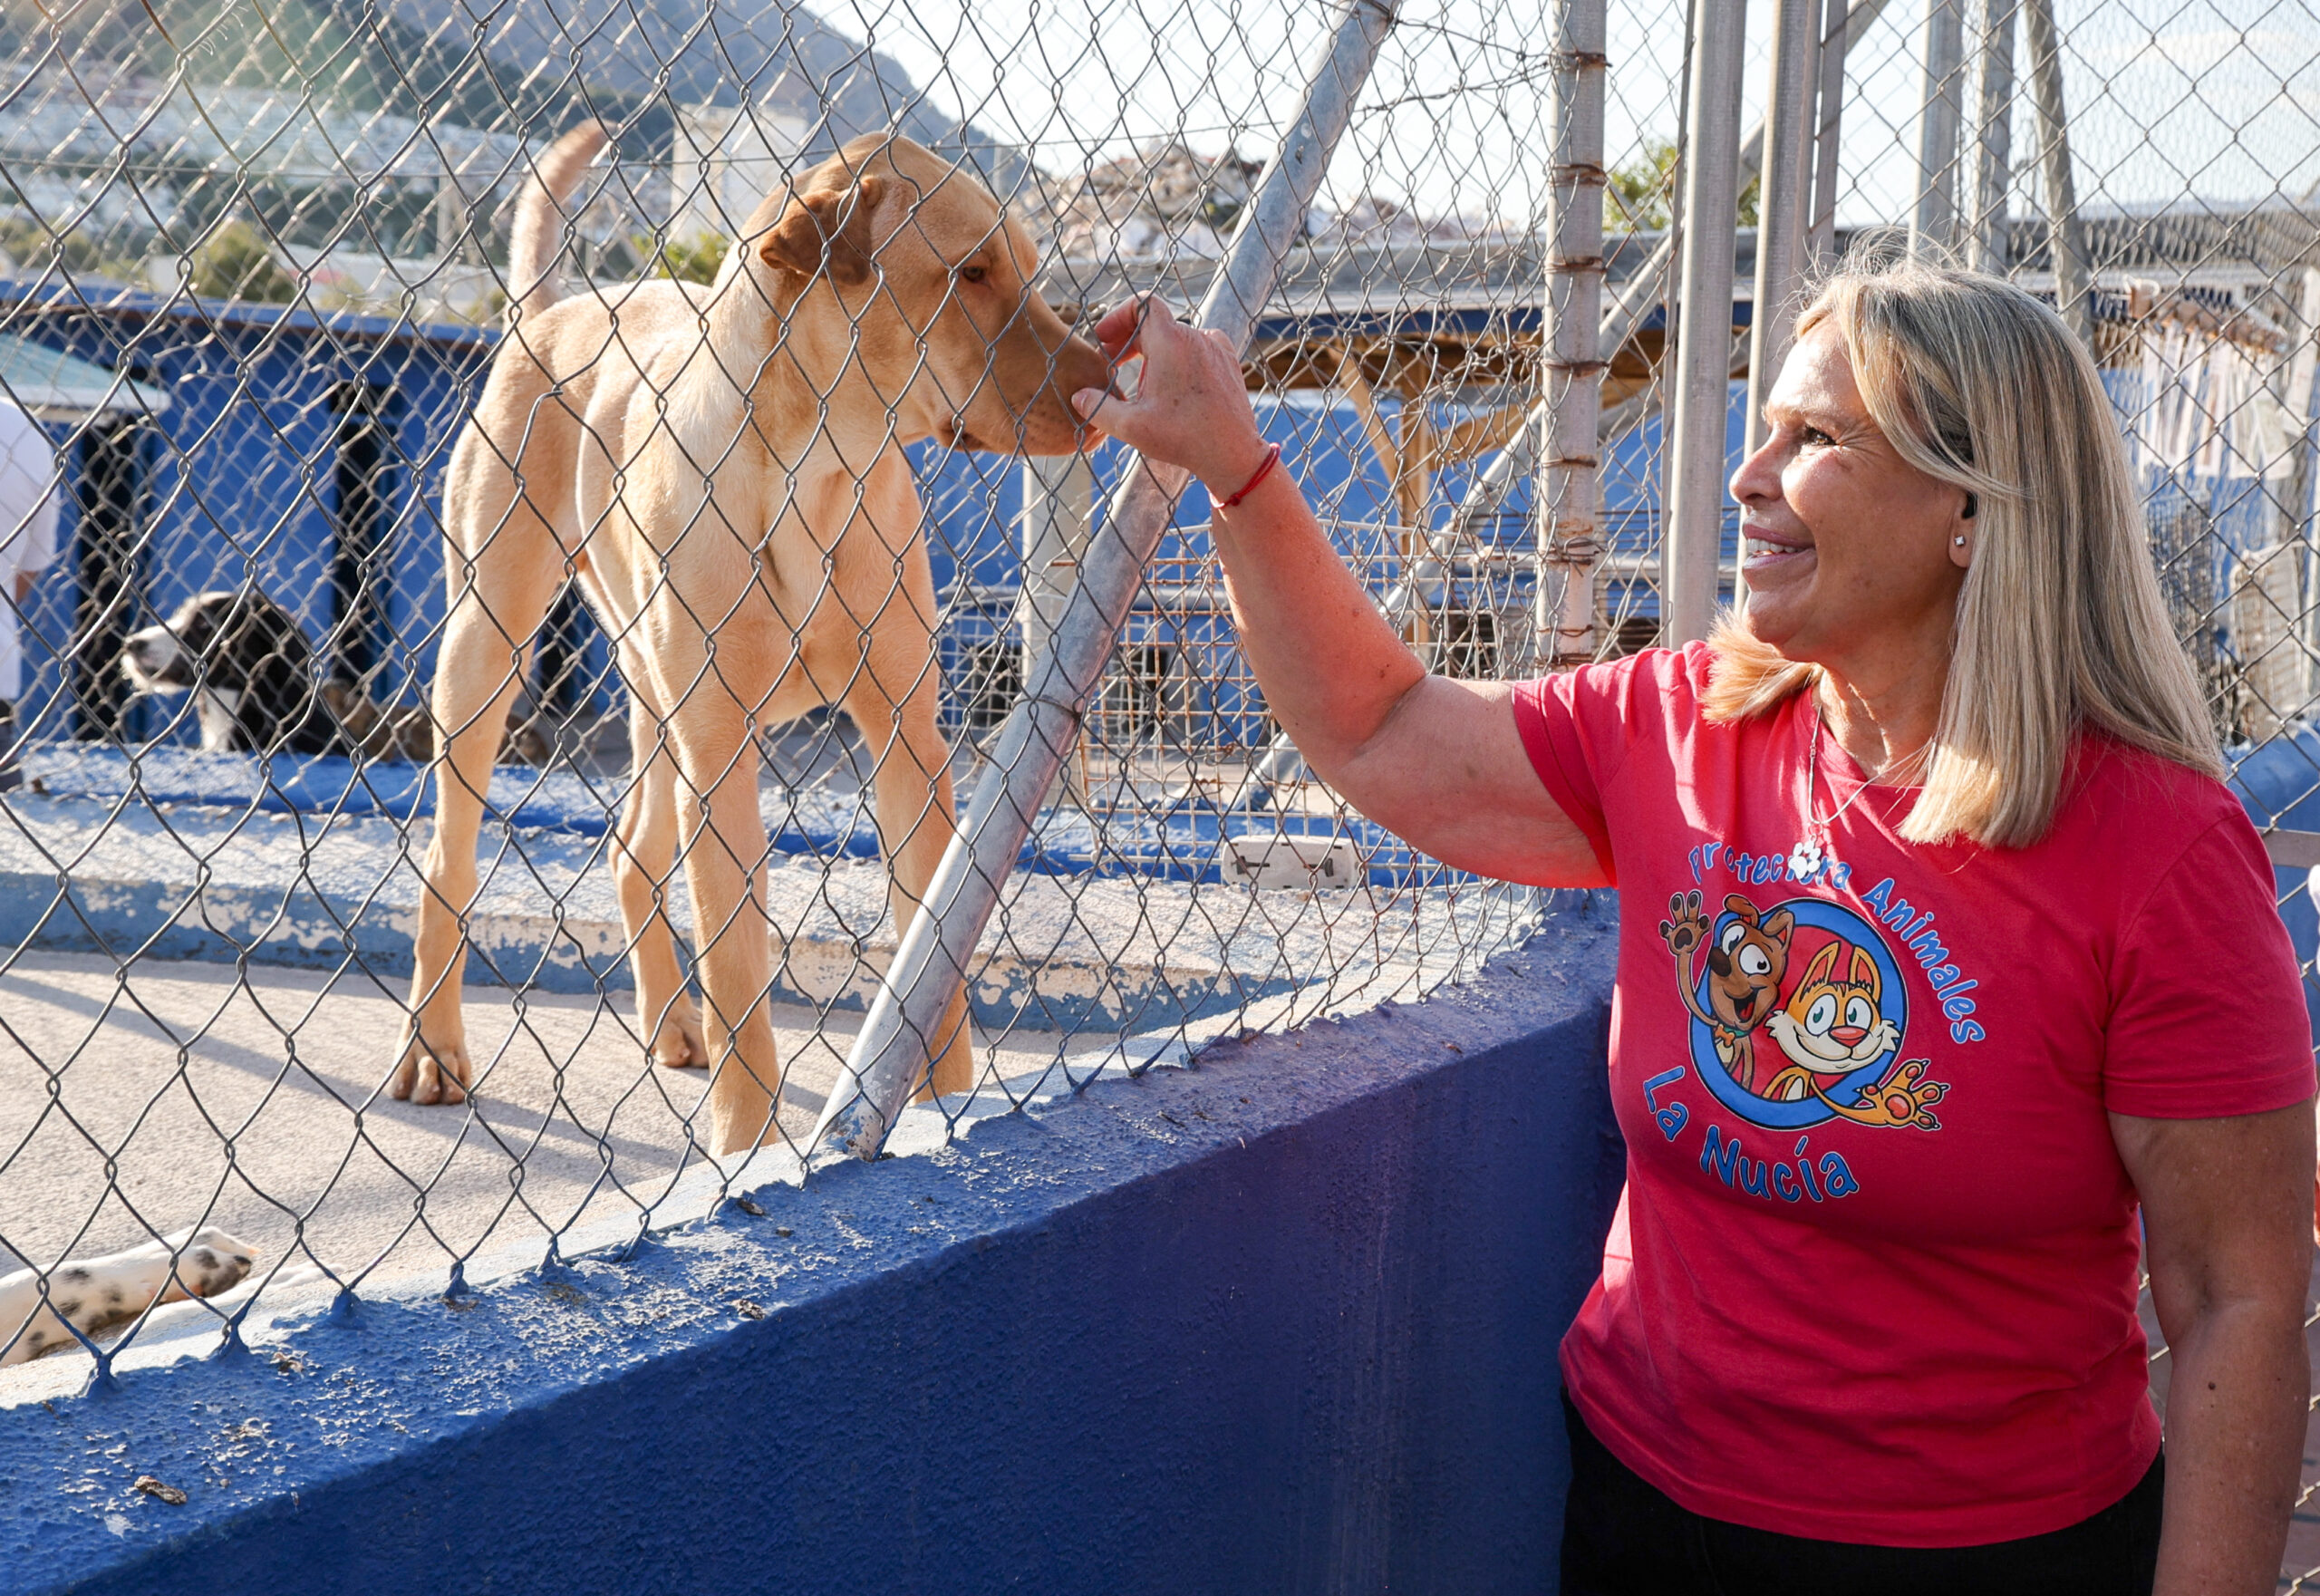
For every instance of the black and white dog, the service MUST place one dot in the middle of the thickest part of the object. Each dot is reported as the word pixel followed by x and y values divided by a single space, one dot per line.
pixel 252 675
pixel 249 668
pixel 96 1294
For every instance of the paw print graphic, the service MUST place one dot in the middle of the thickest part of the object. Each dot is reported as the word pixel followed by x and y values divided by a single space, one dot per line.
pixel 1686 926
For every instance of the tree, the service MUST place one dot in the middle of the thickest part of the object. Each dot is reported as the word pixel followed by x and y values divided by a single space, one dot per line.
pixel 1640 192
pixel 696 261
pixel 235 263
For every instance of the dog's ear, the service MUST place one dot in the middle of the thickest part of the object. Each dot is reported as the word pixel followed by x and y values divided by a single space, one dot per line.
pixel 830 224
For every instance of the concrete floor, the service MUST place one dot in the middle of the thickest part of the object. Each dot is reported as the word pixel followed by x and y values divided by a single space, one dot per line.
pixel 259 1108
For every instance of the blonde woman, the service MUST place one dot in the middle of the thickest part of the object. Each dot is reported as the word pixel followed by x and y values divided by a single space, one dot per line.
pixel 1946 959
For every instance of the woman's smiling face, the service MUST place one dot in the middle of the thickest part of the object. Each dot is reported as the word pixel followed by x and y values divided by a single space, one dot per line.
pixel 1847 548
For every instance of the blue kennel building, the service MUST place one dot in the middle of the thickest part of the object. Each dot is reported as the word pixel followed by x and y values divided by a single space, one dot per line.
pixel 306 453
pixel 290 449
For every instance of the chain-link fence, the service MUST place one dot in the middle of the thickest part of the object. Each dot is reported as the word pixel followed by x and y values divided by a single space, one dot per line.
pixel 2153 166
pixel 263 266
pixel 354 334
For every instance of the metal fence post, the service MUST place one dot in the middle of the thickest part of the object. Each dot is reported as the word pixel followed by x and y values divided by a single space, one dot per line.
pixel 1691 540
pixel 1933 230
pixel 890 1055
pixel 1059 500
pixel 1571 367
pixel 1837 28
pixel 1648 286
pixel 2293 520
pixel 1059 508
pixel 1780 216
pixel 1780 227
pixel 1994 137
pixel 2072 279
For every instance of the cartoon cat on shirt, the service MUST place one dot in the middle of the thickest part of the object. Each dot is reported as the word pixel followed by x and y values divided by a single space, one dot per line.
pixel 1830 1025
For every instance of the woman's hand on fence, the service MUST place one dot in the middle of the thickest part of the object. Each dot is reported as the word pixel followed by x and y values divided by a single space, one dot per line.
pixel 1177 395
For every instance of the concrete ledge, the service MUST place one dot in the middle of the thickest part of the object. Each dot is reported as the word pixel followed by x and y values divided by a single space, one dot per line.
pixel 269 886
pixel 302 928
pixel 1284 1320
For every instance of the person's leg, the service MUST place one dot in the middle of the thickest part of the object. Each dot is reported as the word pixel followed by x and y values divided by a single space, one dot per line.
pixel 1620 1535
pixel 2113 1553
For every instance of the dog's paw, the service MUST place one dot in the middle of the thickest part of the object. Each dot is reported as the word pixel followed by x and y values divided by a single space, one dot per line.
pixel 207 1262
pixel 427 1073
pixel 679 1043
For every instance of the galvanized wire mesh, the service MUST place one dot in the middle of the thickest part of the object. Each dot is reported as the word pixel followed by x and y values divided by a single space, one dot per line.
pixel 260 259
pixel 254 261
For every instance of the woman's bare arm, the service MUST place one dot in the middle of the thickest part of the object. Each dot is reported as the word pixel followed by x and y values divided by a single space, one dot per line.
pixel 2230 1253
pixel 1437 763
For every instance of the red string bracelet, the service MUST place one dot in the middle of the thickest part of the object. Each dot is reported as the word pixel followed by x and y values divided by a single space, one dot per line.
pixel 1272 458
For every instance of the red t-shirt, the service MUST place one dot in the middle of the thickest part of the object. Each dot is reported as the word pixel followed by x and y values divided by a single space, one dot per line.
pixel 1874 1275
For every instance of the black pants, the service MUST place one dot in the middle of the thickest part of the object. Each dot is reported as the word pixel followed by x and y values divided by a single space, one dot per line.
pixel 1623 1537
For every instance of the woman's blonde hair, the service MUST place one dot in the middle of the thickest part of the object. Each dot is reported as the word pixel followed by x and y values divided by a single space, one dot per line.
pixel 2060 624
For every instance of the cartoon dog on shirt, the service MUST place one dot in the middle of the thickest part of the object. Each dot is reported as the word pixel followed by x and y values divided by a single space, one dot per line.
pixel 1745 965
pixel 1834 1024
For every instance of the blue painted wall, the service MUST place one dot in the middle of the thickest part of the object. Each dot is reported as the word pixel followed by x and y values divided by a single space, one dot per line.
pixel 1284 1323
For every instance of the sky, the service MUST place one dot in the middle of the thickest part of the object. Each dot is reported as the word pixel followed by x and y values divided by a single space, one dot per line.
pixel 2214 98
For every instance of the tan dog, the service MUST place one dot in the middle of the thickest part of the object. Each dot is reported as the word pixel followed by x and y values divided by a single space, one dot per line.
pixel 722 468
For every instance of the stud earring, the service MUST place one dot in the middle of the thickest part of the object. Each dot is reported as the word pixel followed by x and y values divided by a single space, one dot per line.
pixel 1959 540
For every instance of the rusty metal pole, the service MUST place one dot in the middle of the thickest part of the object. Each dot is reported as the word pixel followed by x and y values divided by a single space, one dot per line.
pixel 1571 369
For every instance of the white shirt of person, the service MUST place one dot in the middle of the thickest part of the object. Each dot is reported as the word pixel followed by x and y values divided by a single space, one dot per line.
pixel 27 529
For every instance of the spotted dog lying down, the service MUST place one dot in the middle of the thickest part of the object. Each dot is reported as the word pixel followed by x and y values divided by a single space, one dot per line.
pixel 257 687
pixel 97 1293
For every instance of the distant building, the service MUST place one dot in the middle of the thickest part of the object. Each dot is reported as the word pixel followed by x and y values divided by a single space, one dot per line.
pixel 722 163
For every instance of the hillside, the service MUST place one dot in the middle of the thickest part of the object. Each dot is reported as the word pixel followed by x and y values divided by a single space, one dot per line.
pixel 526 67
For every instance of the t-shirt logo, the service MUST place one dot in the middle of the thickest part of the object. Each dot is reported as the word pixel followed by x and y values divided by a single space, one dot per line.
pixel 1798 1014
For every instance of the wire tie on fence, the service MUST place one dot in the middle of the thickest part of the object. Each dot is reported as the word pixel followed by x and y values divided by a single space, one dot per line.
pixel 1068 710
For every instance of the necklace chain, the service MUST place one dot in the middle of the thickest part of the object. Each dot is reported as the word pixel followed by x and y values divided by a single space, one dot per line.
pixel 1815 826
pixel 1811 856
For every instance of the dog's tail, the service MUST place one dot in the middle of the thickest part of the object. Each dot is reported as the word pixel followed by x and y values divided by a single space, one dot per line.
pixel 540 219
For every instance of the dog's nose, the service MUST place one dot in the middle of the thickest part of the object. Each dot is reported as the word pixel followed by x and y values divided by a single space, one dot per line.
pixel 1080 364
